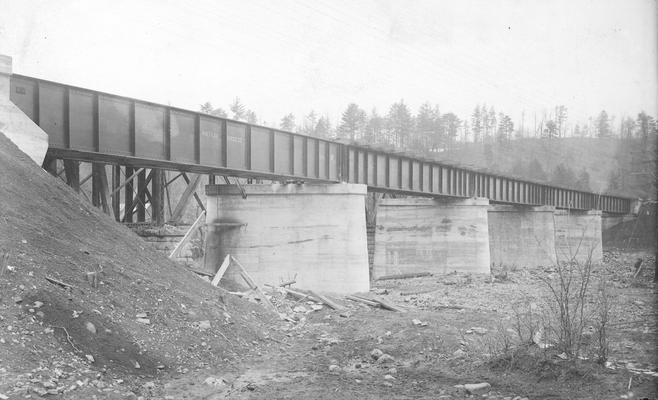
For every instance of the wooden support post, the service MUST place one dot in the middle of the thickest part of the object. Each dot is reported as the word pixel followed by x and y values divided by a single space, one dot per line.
pixel 141 196
pixel 95 185
pixel 116 182
pixel 157 197
pixel 100 191
pixel 128 197
pixel 72 171
pixel 190 190
pixel 140 193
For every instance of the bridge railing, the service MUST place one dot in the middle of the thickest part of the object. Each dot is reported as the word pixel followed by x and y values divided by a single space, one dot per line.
pixel 95 126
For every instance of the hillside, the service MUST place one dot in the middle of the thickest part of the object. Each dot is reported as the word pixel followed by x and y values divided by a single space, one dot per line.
pixel 146 319
pixel 601 158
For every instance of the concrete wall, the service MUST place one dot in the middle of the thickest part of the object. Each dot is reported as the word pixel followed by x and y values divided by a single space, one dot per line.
pixel 521 236
pixel 316 232
pixel 14 124
pixel 427 235
pixel 578 234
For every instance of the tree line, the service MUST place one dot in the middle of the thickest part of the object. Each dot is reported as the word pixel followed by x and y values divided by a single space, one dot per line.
pixel 430 131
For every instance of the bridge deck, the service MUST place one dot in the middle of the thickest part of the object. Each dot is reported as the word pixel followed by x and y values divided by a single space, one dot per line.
pixel 89 125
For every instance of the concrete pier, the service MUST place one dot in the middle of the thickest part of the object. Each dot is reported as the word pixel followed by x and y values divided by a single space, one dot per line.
pixel 428 235
pixel 315 234
pixel 578 235
pixel 521 236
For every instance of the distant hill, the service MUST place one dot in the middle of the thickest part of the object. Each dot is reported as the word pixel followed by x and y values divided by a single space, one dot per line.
pixel 607 165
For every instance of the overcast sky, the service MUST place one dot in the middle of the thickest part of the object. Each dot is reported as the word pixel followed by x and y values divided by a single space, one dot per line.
pixel 293 56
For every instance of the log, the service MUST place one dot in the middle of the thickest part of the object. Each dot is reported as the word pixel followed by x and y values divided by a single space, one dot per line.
pixel 404 276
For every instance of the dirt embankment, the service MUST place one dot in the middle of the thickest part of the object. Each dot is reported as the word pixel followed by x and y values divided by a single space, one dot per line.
pixel 146 318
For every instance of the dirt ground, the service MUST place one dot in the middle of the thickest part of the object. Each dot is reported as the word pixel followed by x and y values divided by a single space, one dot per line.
pixel 148 328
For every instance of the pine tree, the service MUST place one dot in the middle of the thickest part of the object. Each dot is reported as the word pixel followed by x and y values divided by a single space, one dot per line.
pixel 238 109
pixel 352 122
pixel 288 123
pixel 400 124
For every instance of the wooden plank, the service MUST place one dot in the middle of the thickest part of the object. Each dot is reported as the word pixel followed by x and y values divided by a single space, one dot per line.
pixel 381 303
pixel 246 277
pixel 188 234
pixel 221 271
pixel 360 300
pixel 300 295
pixel 327 301
pixel 185 198
pixel 404 276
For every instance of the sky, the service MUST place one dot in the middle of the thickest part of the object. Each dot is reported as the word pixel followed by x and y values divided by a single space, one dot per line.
pixel 520 56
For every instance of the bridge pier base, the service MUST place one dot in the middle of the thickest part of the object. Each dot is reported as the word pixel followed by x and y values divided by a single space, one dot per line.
pixel 314 234
pixel 521 236
pixel 428 235
pixel 578 235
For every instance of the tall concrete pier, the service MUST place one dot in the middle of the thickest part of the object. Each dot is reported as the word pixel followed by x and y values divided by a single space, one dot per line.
pixel 578 235
pixel 521 236
pixel 427 235
pixel 315 234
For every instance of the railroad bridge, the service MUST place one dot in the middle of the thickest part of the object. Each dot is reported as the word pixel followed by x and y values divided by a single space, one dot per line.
pixel 450 217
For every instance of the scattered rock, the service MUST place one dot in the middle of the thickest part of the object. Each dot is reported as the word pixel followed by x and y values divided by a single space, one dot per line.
pixel 144 321
pixel 392 371
pixel 212 381
pixel 334 368
pixel 418 322
pixel 37 304
pixel 141 315
pixel 204 325
pixel 459 353
pixel 385 359
pixel 376 353
pixel 389 377
pixel 300 309
pixel 316 307
pixel 90 327
pixel 477 388
pixel 90 357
